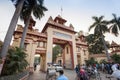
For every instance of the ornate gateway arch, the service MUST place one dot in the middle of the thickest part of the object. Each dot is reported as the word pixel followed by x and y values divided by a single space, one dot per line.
pixel 54 32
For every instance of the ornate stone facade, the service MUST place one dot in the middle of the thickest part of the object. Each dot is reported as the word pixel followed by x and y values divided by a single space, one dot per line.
pixel 54 32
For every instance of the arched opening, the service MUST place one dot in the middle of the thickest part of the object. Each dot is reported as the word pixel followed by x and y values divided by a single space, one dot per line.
pixel 36 62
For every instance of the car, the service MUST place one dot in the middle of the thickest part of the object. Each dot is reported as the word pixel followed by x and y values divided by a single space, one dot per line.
pixel 57 67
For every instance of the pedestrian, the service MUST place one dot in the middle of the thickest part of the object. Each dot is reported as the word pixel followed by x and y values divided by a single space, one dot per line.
pixel 114 66
pixel 103 67
pixel 77 69
pixel 108 68
pixel 77 72
pixel 62 76
pixel 35 65
pixel 116 74
pixel 83 75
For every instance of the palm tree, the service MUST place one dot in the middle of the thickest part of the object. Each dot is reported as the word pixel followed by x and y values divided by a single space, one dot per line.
pixel 34 7
pixel 15 62
pixel 100 27
pixel 11 29
pixel 115 25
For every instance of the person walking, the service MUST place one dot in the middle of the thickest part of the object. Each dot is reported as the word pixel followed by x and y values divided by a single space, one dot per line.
pixel 83 75
pixel 103 67
pixel 116 72
pixel 62 76
pixel 77 72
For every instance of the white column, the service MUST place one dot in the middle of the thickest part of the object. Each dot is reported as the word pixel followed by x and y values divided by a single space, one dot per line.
pixel 74 51
pixel 31 52
pixel 49 46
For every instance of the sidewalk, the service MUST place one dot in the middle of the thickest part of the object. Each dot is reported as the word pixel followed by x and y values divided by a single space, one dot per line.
pixel 37 75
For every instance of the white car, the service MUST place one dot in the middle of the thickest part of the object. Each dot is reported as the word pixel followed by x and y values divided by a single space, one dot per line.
pixel 57 67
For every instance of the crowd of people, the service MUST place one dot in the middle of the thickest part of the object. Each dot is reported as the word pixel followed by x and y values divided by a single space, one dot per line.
pixel 84 72
pixel 108 68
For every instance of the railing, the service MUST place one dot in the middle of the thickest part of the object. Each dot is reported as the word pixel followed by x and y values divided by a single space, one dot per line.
pixel 19 76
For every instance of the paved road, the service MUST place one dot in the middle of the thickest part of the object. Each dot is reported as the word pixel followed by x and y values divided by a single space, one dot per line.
pixel 38 75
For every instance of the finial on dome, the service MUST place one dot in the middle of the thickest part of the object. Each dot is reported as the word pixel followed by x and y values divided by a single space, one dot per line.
pixel 71 26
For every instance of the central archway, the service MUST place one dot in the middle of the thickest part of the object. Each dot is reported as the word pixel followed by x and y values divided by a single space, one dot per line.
pixel 67 53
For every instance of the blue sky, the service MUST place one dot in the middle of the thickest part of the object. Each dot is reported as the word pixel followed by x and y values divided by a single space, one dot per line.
pixel 76 12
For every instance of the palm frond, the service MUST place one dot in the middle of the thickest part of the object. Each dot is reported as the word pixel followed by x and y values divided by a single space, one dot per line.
pixel 34 6
pixel 114 15
pixel 15 2
pixel 38 11
pixel 40 2
pixel 15 61
pixel 92 26
pixel 104 29
pixel 115 25
pixel 115 30
pixel 100 18
pixel 104 22
pixel 95 18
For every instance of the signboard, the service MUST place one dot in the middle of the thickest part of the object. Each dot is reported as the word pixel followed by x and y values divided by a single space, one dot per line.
pixel 58 34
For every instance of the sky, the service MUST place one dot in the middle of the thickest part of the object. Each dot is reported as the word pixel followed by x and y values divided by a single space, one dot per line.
pixel 77 12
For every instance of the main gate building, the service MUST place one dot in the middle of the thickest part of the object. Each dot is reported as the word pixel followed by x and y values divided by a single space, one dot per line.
pixel 74 48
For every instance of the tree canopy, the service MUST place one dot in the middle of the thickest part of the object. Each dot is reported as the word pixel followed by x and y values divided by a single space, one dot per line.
pixel 95 44
pixel 116 58
pixel 15 62
pixel 56 51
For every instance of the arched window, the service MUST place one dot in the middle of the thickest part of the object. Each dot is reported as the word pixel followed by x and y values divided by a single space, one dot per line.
pixel 67 50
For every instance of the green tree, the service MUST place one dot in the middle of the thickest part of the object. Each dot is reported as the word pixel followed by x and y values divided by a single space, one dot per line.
pixel 56 50
pixel 91 61
pixel 115 25
pixel 116 58
pixel 95 44
pixel 37 60
pixel 15 62
pixel 103 61
pixel 100 27
pixel 11 30
pixel 32 7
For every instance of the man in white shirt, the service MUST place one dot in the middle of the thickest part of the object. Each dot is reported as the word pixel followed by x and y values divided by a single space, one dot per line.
pixel 116 72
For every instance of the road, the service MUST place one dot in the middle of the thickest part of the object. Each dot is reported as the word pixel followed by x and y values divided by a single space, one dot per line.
pixel 38 75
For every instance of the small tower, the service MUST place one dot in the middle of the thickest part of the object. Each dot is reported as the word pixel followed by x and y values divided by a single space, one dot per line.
pixel 71 26
pixel 59 20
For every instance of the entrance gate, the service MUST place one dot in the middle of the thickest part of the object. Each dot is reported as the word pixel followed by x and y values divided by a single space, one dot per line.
pixel 54 32
pixel 57 32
